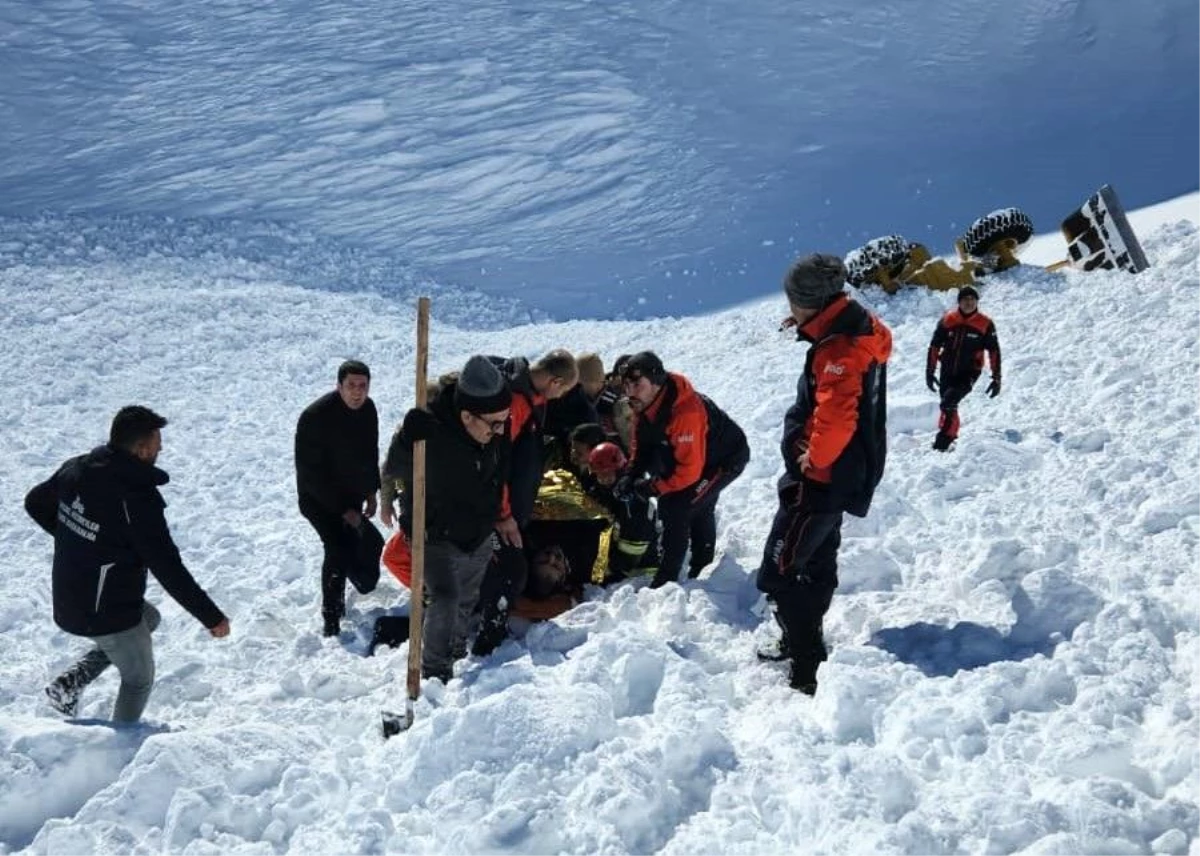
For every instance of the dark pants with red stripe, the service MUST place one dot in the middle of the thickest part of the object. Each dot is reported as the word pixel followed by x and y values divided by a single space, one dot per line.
pixel 689 516
pixel 799 574
pixel 953 390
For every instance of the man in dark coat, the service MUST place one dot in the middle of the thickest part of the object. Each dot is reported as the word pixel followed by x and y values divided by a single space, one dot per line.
pixel 834 446
pixel 105 512
pixel 337 478
pixel 466 499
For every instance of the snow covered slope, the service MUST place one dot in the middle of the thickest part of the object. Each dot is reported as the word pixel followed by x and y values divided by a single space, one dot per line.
pixel 596 159
pixel 1015 638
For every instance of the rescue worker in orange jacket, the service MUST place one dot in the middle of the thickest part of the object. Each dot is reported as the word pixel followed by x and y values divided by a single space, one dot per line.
pixel 961 338
pixel 685 450
pixel 834 447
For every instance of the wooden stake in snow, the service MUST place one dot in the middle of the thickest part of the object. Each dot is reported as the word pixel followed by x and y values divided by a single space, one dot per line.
pixel 393 723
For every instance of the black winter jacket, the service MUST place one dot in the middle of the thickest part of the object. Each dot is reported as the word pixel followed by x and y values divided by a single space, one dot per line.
pixel 106 515
pixel 464 481
pixel 337 453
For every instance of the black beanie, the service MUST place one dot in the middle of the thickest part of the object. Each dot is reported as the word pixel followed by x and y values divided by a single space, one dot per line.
pixel 645 364
pixel 481 388
pixel 813 280
pixel 968 291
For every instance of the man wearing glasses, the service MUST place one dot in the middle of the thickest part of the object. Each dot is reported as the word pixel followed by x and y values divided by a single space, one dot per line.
pixel 686 450
pixel 467 465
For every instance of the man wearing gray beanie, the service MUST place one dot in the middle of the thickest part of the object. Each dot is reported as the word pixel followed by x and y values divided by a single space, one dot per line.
pixel 834 446
pixel 467 451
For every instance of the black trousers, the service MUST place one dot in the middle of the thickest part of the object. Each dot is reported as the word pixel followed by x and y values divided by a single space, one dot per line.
pixel 799 573
pixel 689 518
pixel 340 543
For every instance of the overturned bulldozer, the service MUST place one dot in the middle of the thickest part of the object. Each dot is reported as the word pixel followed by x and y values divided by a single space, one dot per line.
pixel 1098 235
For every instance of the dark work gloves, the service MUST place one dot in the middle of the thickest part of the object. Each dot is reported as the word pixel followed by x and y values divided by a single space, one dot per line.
pixel 931 382
pixel 993 388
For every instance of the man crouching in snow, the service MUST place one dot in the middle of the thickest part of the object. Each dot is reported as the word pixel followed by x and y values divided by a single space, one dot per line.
pixel 105 512
pixel 834 445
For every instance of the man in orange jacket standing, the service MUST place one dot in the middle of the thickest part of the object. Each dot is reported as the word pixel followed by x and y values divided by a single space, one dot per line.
pixel 834 447
pixel 959 342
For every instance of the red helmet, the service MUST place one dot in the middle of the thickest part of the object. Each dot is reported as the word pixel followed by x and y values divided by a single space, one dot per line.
pixel 606 458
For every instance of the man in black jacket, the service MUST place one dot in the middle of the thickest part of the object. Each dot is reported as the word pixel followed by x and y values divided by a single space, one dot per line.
pixel 337 477
pixel 466 477
pixel 106 515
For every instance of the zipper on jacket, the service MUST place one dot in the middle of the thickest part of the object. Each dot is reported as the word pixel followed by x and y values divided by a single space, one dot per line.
pixel 100 585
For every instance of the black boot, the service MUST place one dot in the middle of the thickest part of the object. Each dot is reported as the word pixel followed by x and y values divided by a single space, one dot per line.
pixel 331 625
pixel 390 630
pixel 493 629
pixel 942 442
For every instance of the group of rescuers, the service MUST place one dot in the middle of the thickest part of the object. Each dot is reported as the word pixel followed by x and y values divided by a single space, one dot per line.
pixel 540 477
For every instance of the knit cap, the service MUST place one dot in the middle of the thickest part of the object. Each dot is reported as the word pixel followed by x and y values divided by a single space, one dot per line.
pixel 481 388
pixel 814 280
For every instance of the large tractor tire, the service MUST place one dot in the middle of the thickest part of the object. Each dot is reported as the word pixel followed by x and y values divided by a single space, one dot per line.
pixel 1006 224
pixel 888 254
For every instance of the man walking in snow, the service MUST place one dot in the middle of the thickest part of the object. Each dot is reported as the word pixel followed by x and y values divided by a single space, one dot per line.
pixel 337 478
pixel 686 450
pixel 959 342
pixel 834 446
pixel 106 515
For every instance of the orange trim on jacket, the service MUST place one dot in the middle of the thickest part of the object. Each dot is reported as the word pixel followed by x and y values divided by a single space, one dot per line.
pixel 521 411
pixel 959 343
pixel 839 363
pixel 686 432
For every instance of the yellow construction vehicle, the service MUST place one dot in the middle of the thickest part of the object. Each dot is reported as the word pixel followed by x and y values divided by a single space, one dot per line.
pixel 1098 235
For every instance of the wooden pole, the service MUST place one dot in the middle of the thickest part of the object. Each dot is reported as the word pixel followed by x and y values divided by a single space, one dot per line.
pixel 416 620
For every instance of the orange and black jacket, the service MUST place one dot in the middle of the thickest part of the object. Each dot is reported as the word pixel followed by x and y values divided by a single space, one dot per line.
pixel 959 343
pixel 840 415
pixel 683 438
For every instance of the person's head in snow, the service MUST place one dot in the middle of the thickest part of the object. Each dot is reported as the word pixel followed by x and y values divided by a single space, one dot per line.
pixel 813 283
pixel 584 438
pixel 482 398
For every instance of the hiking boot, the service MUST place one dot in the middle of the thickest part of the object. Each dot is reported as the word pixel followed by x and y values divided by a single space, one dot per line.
pixel 390 630
pixel 332 626
pixel 942 442
pixel 63 695
pixel 804 676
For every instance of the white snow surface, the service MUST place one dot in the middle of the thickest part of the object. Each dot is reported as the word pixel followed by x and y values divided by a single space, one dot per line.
pixel 1014 642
